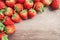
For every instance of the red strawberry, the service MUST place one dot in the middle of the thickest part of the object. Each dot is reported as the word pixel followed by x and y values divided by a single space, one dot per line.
pixel 31 13
pixel 10 29
pixel 8 21
pixel 18 7
pixel 46 2
pixel 10 3
pixel 28 4
pixel 20 1
pixel 38 6
pixel 55 4
pixel 36 0
pixel 1 15
pixel 16 17
pixel 8 11
pixel 2 5
pixel 23 14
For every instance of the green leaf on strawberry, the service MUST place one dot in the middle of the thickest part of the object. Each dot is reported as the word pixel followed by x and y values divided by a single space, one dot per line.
pixel 5 30
pixel 0 12
pixel 15 8
pixel 2 26
pixel 32 10
pixel 5 10
pixel 13 15
pixel 5 37
pixel 41 9
pixel 59 7
pixel 31 1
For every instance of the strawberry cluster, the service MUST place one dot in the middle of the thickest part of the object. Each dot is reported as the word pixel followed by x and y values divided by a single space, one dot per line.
pixel 14 11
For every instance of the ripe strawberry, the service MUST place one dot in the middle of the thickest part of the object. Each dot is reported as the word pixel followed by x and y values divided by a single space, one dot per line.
pixel 1 15
pixel 23 14
pixel 28 4
pixel 18 7
pixel 10 29
pixel 8 21
pixel 20 1
pixel 16 17
pixel 10 3
pixel 2 5
pixel 31 13
pixel 8 11
pixel 36 0
pixel 38 6
pixel 55 4
pixel 46 2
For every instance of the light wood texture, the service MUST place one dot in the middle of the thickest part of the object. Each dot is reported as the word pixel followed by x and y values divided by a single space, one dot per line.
pixel 44 26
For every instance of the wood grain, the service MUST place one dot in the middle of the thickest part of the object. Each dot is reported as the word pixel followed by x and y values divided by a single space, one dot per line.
pixel 45 26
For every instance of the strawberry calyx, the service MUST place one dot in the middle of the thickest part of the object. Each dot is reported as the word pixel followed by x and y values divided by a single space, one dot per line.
pixel 5 37
pixel 41 9
pixel 15 8
pixel 23 11
pixel 59 6
pixel 32 10
pixel 29 1
pixel 5 30
pixel 2 26
pixel 4 19
pixel 13 16
pixel 0 12
pixel 5 9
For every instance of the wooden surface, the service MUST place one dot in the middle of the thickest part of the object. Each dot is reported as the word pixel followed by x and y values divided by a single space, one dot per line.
pixel 45 26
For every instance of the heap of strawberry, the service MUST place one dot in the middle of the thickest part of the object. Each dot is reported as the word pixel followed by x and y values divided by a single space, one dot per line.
pixel 13 11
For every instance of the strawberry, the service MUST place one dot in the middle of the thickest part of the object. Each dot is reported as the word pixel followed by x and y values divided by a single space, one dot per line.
pixel 23 14
pixel 10 3
pixel 8 11
pixel 31 13
pixel 18 7
pixel 36 0
pixel 2 5
pixel 38 6
pixel 1 15
pixel 16 17
pixel 28 4
pixel 55 4
pixel 10 29
pixel 8 21
pixel 20 1
pixel 46 2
